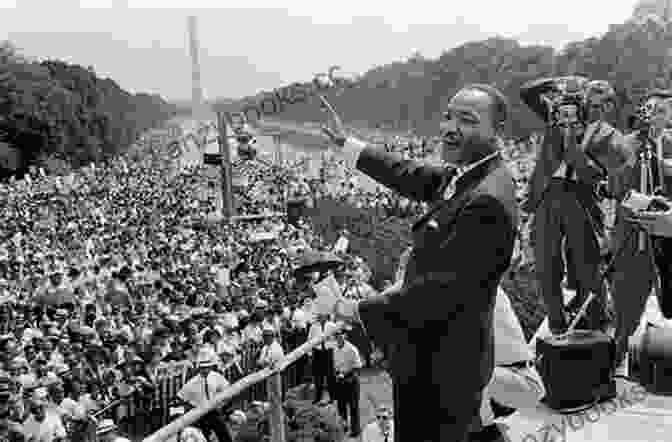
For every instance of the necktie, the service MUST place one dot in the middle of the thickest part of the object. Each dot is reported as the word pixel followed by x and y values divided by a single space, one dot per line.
pixel 207 390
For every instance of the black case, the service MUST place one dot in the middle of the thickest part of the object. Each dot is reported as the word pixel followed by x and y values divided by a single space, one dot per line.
pixel 651 361
pixel 577 369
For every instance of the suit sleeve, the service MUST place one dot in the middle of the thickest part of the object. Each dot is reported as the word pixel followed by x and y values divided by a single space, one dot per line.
pixel 531 93
pixel 409 178
pixel 465 272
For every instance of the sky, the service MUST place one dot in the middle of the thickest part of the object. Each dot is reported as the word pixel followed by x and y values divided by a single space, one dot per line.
pixel 143 44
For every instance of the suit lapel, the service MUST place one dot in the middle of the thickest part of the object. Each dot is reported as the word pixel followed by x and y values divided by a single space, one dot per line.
pixel 449 204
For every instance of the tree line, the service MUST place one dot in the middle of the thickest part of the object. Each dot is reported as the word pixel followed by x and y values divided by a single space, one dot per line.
pixel 55 114
pixel 409 95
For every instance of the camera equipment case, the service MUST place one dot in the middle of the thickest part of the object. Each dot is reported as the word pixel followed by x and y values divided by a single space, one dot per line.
pixel 577 369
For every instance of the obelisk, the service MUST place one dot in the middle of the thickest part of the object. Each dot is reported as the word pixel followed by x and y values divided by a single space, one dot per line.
pixel 198 107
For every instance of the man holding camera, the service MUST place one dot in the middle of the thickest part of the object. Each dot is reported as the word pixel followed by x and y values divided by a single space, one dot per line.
pixel 579 151
pixel 634 269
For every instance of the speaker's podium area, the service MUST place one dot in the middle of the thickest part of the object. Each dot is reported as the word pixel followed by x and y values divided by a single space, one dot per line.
pixel 640 411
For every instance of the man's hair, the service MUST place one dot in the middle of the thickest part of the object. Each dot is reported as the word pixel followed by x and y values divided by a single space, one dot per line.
pixel 500 104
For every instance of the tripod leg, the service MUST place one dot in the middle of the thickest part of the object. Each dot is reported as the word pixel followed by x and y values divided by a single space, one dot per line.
pixel 632 277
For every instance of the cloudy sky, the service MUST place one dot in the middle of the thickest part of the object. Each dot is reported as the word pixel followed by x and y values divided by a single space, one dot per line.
pixel 142 44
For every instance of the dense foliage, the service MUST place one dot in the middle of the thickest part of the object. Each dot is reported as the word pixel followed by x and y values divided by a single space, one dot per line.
pixel 51 110
pixel 404 95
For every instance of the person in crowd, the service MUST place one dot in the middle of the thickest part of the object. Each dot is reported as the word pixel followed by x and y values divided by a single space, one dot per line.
pixel 43 424
pixel 575 157
pixel 419 321
pixel 322 358
pixel 347 363
pixel 382 429
pixel 201 389
pixel 271 353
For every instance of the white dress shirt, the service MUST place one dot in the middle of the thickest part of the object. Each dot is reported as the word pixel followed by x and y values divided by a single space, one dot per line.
pixel 373 433
pixel 346 358
pixel 317 329
pixel 48 430
pixel 195 391
pixel 271 354
pixel 510 386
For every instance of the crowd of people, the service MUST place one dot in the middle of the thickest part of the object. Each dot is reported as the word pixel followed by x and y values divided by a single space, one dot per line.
pixel 112 276
pixel 113 273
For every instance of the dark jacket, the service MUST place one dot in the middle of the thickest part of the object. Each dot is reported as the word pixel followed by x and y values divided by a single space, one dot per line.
pixel 439 325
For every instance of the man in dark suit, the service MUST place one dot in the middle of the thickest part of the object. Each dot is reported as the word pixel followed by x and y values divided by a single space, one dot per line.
pixel 571 162
pixel 438 325
pixel 634 269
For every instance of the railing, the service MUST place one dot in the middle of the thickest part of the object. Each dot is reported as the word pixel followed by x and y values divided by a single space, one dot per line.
pixel 273 375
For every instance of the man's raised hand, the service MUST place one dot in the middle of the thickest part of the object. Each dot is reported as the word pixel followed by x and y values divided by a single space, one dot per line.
pixel 334 129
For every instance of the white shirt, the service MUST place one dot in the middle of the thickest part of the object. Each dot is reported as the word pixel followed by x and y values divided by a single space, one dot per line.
pixel 316 329
pixel 188 434
pixel 513 387
pixel 373 433
pixel 72 408
pixel 346 358
pixel 271 354
pixel 47 430
pixel 299 319
pixel 252 332
pixel 194 391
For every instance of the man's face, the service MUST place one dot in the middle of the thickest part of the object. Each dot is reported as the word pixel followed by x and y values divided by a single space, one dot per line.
pixel 468 122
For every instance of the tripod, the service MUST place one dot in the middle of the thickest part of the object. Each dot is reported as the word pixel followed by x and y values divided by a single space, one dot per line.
pixel 647 159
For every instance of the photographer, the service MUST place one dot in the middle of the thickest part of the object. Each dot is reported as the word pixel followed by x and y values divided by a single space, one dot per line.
pixel 579 151
pixel 634 271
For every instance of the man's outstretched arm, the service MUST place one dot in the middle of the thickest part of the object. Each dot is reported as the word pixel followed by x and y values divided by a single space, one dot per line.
pixel 412 179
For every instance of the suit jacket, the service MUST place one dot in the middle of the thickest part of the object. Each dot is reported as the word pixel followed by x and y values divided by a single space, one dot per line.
pixel 605 153
pixel 439 325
